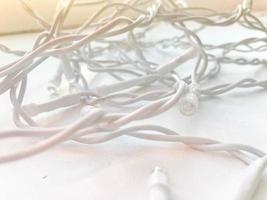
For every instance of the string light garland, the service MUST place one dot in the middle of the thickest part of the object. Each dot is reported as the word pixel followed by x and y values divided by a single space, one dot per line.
pixel 116 45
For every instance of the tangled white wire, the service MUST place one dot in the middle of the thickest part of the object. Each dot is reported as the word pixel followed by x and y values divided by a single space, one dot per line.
pixel 117 44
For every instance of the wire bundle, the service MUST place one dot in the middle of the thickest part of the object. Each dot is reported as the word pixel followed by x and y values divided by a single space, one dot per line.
pixel 117 45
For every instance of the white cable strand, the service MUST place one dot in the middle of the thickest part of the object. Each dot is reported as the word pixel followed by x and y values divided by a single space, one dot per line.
pixel 119 45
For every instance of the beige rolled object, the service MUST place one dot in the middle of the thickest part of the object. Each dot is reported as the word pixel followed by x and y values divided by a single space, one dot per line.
pixel 14 19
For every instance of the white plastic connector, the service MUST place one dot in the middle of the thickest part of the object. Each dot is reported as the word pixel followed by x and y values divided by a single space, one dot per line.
pixel 190 101
pixel 189 104
pixel 159 186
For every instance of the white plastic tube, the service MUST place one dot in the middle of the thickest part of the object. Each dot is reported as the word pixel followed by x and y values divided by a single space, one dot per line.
pixel 251 180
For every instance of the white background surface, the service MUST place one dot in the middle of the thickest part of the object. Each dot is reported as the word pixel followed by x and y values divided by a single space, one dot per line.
pixel 120 169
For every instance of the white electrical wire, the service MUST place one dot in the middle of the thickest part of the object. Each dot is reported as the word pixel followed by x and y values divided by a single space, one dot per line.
pixel 115 41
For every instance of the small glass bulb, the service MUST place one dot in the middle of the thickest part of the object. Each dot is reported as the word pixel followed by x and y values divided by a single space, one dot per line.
pixel 159 187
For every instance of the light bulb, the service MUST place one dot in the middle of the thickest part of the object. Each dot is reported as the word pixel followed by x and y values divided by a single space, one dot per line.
pixel 189 104
pixel 159 187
